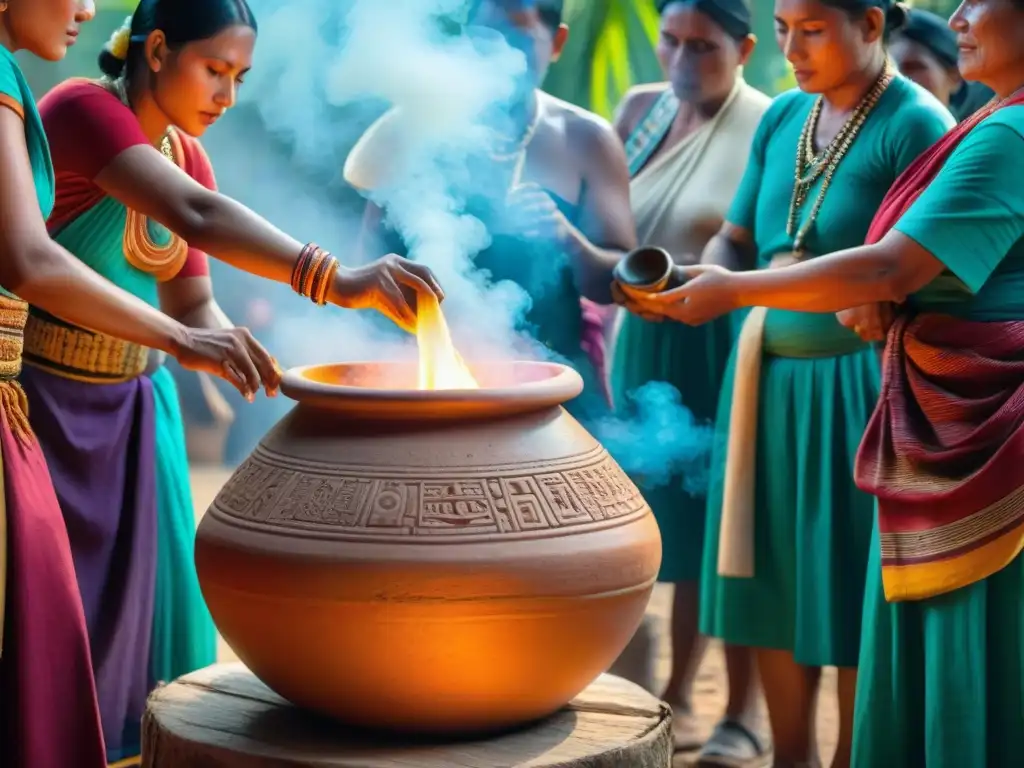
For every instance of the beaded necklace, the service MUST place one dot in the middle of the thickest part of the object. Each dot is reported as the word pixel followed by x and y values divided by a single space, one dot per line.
pixel 514 150
pixel 812 166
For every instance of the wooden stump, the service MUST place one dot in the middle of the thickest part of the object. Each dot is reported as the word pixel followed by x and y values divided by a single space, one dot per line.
pixel 223 717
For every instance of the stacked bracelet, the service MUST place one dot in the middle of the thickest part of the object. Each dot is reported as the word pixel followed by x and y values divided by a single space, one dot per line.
pixel 323 276
pixel 313 273
pixel 301 267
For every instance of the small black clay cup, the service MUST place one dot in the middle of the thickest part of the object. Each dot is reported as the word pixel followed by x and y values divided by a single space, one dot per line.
pixel 646 270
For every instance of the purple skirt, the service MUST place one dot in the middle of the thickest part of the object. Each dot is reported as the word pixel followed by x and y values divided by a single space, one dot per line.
pixel 98 440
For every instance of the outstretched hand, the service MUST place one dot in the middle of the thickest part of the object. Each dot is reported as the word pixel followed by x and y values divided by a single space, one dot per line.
pixel 706 292
pixel 232 354
pixel 388 285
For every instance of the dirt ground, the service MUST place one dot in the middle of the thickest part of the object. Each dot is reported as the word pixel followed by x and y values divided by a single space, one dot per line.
pixel 709 696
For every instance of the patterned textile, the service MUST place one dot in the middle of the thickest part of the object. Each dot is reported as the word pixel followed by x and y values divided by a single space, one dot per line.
pixel 941 450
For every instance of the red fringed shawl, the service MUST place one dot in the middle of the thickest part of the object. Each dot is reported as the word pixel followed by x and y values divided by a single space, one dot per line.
pixel 943 450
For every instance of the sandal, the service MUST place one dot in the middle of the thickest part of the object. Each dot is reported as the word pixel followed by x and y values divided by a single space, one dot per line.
pixel 733 745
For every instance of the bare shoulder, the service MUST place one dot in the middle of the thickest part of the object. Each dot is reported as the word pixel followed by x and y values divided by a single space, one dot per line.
pixel 635 104
pixel 585 132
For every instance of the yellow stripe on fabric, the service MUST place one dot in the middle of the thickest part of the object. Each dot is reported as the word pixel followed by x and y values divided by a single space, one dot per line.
pixel 921 581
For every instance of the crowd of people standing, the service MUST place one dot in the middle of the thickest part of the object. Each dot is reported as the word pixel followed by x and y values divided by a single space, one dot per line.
pixel 859 409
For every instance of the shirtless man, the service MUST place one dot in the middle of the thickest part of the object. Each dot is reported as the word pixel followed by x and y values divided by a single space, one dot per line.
pixel 559 229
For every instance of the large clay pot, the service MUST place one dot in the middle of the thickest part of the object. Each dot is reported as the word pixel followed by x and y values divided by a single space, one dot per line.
pixel 428 560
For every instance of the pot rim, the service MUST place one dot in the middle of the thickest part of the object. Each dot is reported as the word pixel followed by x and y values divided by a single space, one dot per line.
pixel 548 385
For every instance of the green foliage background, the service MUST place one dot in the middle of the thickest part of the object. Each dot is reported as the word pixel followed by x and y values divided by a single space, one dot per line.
pixel 611 48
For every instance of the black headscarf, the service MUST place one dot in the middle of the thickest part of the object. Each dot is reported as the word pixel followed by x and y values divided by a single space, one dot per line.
pixel 931 31
pixel 733 16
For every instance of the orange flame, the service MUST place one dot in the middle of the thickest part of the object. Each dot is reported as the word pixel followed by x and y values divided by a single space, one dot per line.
pixel 441 366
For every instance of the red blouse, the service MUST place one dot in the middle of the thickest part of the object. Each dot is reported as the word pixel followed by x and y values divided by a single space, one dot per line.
pixel 87 127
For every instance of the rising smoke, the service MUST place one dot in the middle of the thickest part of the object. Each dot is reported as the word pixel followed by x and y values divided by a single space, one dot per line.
pixel 324 71
pixel 658 440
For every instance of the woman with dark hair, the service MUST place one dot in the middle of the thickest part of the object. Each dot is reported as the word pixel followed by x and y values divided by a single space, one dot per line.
pixel 788 531
pixel 48 711
pixel 924 50
pixel 552 191
pixel 136 201
pixel 681 141
pixel 942 656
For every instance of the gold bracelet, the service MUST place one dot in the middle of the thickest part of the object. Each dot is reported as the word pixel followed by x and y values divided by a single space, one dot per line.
pixel 324 287
pixel 313 266
pixel 301 266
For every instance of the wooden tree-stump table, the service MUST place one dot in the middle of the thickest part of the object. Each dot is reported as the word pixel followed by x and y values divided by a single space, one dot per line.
pixel 223 717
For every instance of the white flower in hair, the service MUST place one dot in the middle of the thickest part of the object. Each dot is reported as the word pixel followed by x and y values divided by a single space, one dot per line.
pixel 119 41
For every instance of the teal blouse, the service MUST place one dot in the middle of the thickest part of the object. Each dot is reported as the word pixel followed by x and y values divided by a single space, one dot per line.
pixel 905 121
pixel 971 218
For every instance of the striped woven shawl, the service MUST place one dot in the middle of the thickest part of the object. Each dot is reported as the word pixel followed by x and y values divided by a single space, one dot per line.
pixel 943 450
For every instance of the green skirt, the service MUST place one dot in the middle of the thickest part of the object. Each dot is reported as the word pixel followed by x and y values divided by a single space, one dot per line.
pixel 184 638
pixel 812 526
pixel 692 360
pixel 941 681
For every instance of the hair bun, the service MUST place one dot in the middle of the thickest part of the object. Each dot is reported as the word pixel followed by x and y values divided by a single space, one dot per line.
pixel 115 53
pixel 896 17
pixel 110 65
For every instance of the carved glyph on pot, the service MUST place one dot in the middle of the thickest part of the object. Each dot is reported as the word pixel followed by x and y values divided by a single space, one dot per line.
pixel 588 491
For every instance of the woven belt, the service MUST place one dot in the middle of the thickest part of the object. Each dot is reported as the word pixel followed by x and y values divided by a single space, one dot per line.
pixel 13 315
pixel 75 353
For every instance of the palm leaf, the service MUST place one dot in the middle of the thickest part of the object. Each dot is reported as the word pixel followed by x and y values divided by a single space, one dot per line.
pixel 610 49
pixel 610 75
